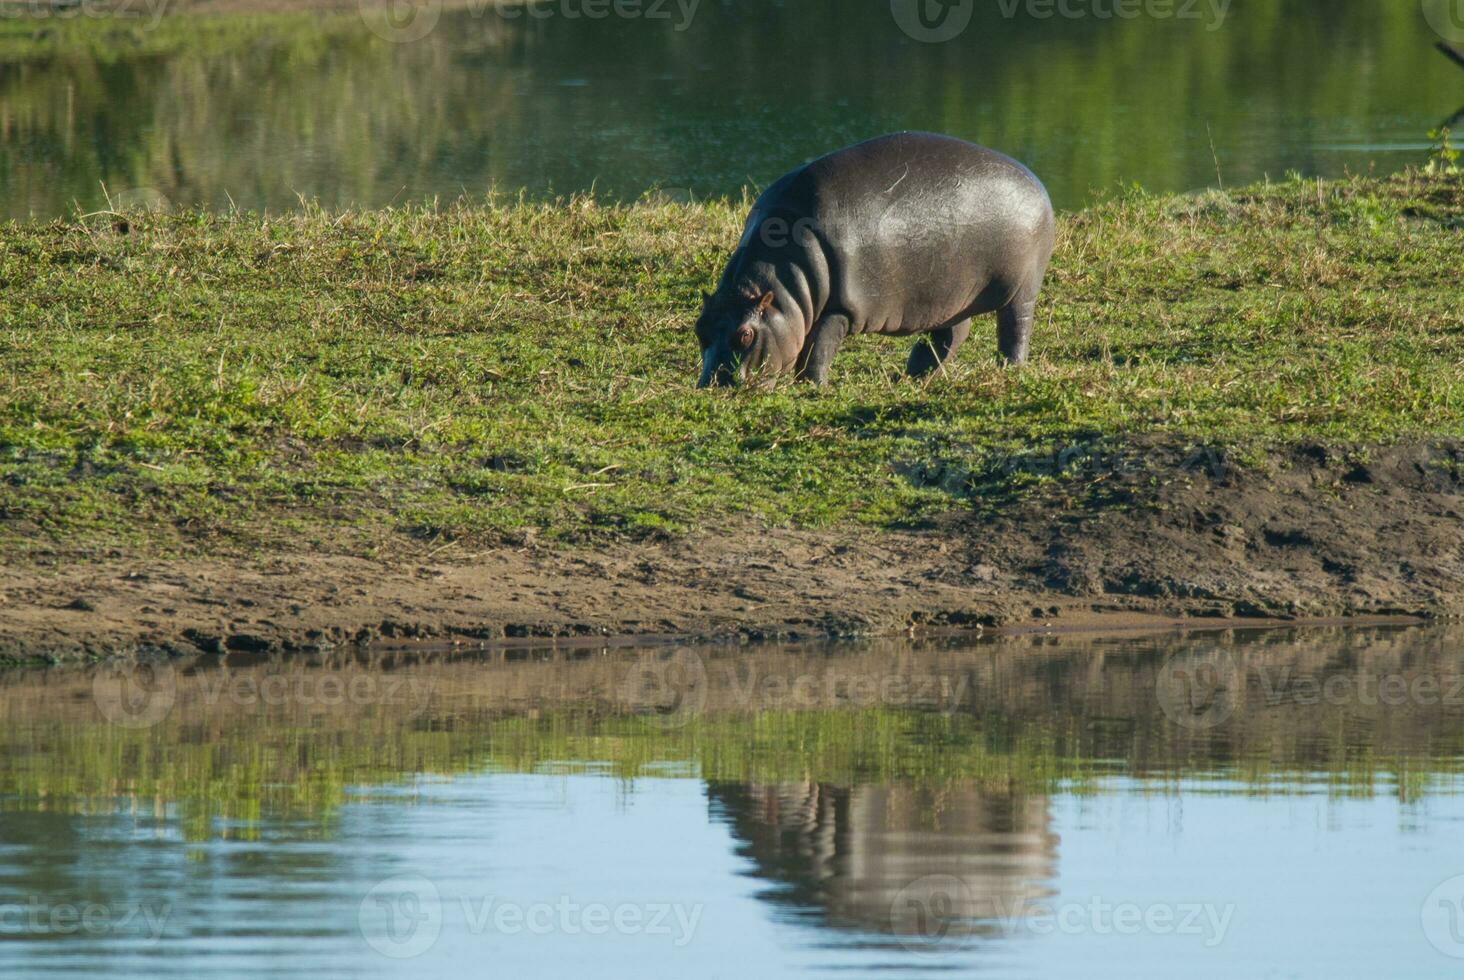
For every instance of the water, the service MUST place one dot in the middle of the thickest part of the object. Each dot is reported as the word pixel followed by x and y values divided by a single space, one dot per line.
pixel 1221 805
pixel 328 110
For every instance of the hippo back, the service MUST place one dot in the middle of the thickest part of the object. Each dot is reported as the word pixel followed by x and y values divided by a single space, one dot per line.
pixel 912 230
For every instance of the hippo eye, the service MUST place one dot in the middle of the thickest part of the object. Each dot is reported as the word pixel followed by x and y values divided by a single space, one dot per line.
pixel 743 338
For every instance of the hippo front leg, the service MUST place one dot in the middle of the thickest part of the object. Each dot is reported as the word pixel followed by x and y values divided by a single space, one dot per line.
pixel 819 350
pixel 937 347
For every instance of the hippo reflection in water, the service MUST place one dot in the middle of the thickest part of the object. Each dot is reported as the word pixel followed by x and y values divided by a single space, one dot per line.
pixel 902 860
pixel 908 234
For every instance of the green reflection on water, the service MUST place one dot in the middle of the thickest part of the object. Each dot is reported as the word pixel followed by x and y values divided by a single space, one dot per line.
pixel 234 745
pixel 256 111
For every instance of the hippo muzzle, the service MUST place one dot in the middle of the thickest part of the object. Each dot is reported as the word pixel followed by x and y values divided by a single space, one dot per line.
pixel 733 345
pixel 721 368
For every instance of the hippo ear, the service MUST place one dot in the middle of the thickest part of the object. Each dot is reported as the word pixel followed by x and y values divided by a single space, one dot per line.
pixel 706 300
pixel 765 302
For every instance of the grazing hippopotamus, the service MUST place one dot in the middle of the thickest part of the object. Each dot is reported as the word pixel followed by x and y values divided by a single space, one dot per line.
pixel 913 233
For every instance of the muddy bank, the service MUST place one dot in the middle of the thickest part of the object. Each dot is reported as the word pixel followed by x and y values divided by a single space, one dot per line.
pixel 1150 535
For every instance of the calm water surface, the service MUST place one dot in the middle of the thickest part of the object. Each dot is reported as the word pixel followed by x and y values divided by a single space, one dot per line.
pixel 730 97
pixel 1217 805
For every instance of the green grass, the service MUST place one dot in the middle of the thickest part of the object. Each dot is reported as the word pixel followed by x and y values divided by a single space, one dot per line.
pixel 189 381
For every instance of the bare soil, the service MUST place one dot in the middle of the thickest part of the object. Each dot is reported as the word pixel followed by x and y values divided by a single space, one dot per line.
pixel 1156 536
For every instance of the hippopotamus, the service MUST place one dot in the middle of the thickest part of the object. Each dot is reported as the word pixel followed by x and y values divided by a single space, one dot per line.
pixel 907 234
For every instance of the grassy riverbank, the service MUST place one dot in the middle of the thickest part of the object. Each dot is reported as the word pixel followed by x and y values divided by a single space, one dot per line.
pixel 186 382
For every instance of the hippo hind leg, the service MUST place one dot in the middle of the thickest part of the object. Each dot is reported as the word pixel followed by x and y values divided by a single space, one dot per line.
pixel 935 348
pixel 1014 329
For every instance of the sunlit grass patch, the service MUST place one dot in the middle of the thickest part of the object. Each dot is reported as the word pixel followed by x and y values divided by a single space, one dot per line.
pixel 487 369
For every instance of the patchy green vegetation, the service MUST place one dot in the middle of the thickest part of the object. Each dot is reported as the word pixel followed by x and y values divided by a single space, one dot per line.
pixel 191 381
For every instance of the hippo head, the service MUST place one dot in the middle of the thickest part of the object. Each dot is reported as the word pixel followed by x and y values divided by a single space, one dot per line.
pixel 743 339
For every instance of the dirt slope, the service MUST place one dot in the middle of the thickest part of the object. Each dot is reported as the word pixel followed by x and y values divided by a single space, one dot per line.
pixel 1154 534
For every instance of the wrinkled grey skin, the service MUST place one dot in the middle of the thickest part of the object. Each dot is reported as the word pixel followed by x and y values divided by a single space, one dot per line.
pixel 913 233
